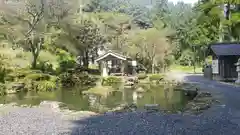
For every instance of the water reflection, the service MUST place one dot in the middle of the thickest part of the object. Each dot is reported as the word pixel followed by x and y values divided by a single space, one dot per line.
pixel 164 96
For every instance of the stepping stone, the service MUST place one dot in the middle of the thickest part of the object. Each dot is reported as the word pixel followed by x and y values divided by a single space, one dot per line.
pixel 151 107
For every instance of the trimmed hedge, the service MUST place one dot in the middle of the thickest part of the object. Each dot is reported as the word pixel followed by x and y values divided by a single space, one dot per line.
pixel 38 77
pixel 156 77
pixel 111 80
pixel 142 76
pixel 74 79
pixel 20 74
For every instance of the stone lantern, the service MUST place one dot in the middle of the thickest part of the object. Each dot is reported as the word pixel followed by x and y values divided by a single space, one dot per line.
pixel 134 65
pixel 238 70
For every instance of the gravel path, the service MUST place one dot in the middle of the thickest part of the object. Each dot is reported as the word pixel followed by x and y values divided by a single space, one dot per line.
pixel 219 120
pixel 16 120
pixel 33 121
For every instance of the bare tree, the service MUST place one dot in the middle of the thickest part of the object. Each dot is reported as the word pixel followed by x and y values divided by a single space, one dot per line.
pixel 28 14
pixel 35 12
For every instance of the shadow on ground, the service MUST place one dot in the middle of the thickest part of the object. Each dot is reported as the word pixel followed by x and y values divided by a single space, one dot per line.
pixel 142 123
pixel 218 120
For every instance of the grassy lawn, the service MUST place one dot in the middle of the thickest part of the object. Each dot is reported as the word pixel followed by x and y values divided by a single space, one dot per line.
pixel 22 59
pixel 185 69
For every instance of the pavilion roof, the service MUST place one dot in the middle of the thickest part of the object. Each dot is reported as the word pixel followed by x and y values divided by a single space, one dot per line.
pixel 113 54
pixel 225 49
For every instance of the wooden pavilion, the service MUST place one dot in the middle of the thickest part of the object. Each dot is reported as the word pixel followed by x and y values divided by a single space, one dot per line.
pixel 224 57
pixel 113 63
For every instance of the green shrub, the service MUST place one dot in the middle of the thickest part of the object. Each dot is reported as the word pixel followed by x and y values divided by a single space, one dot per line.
pixel 65 65
pixel 30 85
pixel 54 78
pixel 42 85
pixel 2 75
pixel 45 67
pixel 4 68
pixel 2 89
pixel 46 86
pixel 65 61
pixel 75 78
pixel 156 77
pixel 111 80
pixel 20 74
pixel 41 82
pixel 88 70
pixel 142 76
pixel 38 77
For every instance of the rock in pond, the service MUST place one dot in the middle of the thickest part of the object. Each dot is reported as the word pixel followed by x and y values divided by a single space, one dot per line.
pixel 9 91
pixel 187 87
pixel 123 108
pixel 151 107
pixel 204 94
pixel 24 105
pixel 13 88
pixel 201 102
pixel 140 89
pixel 190 90
pixel 53 105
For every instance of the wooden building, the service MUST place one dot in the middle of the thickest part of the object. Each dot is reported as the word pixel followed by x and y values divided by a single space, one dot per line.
pixel 112 62
pixel 224 57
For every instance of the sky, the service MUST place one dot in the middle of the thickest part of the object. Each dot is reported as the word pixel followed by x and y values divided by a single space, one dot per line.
pixel 185 1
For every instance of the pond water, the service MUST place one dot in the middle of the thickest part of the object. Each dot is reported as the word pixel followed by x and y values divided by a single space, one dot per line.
pixel 167 98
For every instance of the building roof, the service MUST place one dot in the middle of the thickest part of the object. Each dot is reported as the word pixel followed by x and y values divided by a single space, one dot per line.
pixel 111 53
pixel 226 49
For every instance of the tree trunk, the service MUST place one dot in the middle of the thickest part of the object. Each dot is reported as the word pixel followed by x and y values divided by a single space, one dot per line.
pixel 153 58
pixel 194 59
pixel 93 59
pixel 85 59
pixel 117 43
pixel 152 66
pixel 34 61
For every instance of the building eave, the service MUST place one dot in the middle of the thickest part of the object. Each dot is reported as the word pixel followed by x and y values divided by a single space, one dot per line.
pixel 112 54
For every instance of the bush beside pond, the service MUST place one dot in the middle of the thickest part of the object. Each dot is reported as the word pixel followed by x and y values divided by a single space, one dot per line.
pixel 69 79
pixel 46 86
pixel 38 81
pixel 35 80
pixel 111 80
pixel 99 90
pixel 30 80
pixel 156 77
pixel 20 74
pixel 2 89
pixel 142 76
pixel 37 77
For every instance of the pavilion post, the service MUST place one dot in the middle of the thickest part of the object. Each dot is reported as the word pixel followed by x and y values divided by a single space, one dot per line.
pixel 104 69
pixel 123 66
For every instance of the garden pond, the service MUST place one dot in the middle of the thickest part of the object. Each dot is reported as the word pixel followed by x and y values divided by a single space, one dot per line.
pixel 166 98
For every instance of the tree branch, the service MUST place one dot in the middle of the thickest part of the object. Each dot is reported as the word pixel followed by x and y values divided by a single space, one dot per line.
pixel 36 17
